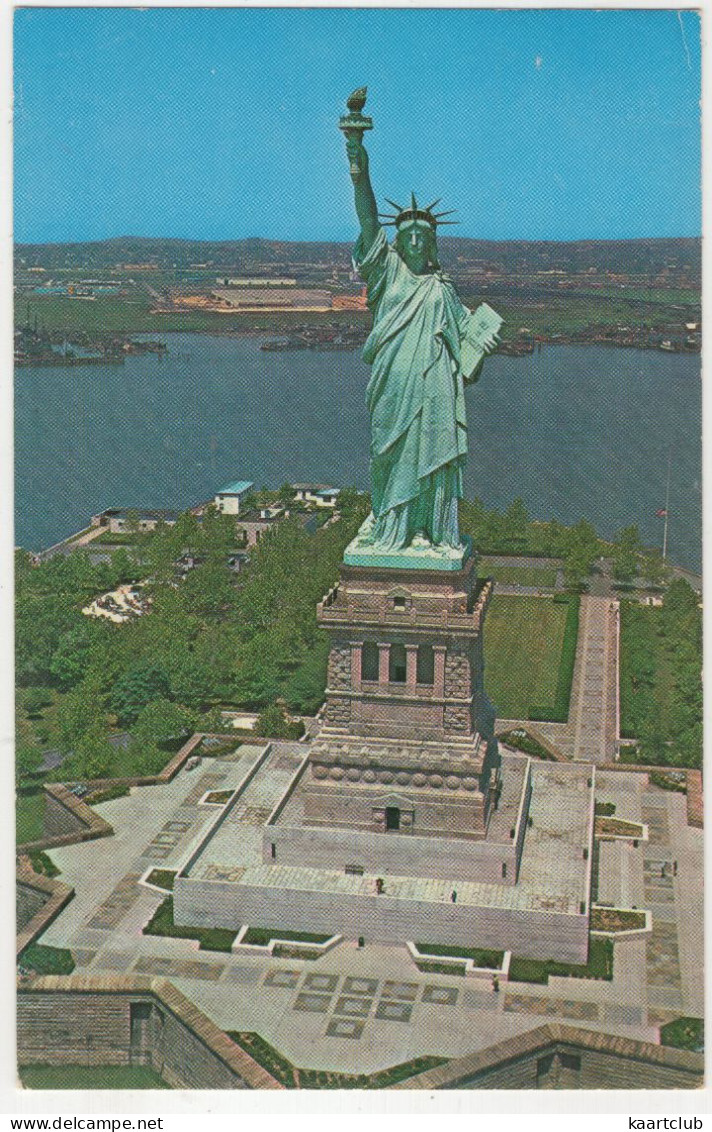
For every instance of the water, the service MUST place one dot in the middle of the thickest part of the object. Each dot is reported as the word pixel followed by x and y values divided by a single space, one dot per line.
pixel 574 431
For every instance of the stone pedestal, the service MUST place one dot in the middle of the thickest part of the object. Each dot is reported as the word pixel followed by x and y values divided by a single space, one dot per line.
pixel 407 743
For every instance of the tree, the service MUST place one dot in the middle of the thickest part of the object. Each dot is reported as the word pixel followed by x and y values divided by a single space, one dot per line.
pixel 78 712
pixel 72 657
pixel 654 569
pixel 136 688
pixel 274 723
pixel 28 758
pixel 162 720
pixel 626 548
pixel 36 699
pixel 515 526
pixel 94 754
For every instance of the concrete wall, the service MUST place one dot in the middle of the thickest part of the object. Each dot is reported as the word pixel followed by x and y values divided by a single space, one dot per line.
pixel 394 853
pixel 537 935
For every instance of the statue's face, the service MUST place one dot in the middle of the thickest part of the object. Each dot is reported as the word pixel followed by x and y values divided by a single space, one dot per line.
pixel 415 245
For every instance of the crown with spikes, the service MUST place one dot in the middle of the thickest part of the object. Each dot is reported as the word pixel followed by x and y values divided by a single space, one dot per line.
pixel 409 215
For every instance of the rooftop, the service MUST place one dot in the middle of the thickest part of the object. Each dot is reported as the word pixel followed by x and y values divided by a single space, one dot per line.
pixel 553 874
pixel 237 488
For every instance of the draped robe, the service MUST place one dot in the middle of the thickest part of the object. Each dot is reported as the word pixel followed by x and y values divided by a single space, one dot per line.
pixel 423 347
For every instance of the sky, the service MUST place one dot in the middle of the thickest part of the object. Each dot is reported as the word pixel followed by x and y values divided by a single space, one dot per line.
pixel 212 123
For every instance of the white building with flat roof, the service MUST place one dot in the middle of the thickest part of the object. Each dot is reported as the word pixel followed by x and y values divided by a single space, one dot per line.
pixel 230 498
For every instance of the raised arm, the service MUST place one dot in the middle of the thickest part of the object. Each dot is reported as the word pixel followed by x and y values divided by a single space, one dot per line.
pixel 366 207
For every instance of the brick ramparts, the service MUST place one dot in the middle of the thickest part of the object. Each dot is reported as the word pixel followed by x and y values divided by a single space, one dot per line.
pixel 555 1056
pixel 39 901
pixel 67 820
pixel 125 1020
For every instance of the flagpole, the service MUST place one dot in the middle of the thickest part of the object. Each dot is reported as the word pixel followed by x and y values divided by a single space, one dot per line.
pixel 667 506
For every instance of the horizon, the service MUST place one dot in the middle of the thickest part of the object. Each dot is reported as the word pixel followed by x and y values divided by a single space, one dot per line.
pixel 206 119
pixel 319 240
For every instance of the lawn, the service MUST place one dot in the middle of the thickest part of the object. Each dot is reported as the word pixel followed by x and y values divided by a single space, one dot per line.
pixel 45 960
pixel 90 1077
pixel 599 966
pixel 262 936
pixel 29 817
pixel 523 639
pixel 684 1033
pixel 480 957
pixel 211 939
pixel 541 576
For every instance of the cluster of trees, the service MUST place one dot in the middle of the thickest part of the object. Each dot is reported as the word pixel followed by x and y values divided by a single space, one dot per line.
pixel 661 678
pixel 211 638
pixel 115 698
pixel 513 532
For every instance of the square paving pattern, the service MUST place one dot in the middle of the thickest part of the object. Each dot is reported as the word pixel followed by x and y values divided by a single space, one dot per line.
pixel 408 991
pixel 282 978
pixel 359 986
pixel 344 1028
pixel 443 996
pixel 394 1011
pixel 314 1003
pixel 353 1007
pixel 325 983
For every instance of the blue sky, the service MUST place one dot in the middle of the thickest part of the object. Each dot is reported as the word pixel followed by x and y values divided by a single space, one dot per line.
pixel 221 123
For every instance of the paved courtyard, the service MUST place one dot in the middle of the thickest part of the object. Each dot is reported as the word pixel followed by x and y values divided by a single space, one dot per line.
pixel 364 1009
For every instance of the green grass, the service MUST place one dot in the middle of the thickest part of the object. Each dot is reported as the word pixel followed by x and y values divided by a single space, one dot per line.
pixel 45 960
pixel 684 1033
pixel 162 878
pixel 541 576
pixel 43 864
pixel 523 642
pixel 90 1077
pixel 107 795
pixel 599 966
pixel 29 817
pixel 524 742
pixel 605 809
pixel 262 936
pixel 211 939
pixel 481 957
pixel 558 711
pixel 293 1078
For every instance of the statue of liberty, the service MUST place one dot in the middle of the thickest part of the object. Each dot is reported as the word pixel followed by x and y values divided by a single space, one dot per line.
pixel 423 348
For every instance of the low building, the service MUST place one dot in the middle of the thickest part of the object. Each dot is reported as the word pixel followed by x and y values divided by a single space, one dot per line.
pixel 122 520
pixel 229 499
pixel 319 493
pixel 267 297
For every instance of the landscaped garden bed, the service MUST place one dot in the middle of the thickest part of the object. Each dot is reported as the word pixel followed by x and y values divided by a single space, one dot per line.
pixel 599 966
pixel 210 939
pixel 90 1077
pixel 492 960
pixel 262 937
pixel 684 1033
pixel 669 780
pixel 43 864
pixel 217 798
pixel 294 1078
pixel 617 920
pixel 522 741
pixel 43 960
pixel 161 878
pixel 616 827
pixel 605 809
